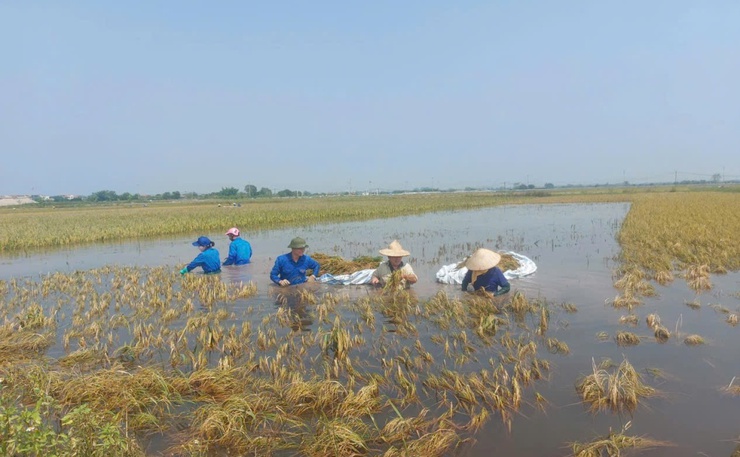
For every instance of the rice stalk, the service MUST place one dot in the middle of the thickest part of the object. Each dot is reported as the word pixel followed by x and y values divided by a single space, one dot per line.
pixel 693 340
pixel 627 339
pixel 618 391
pixel 614 444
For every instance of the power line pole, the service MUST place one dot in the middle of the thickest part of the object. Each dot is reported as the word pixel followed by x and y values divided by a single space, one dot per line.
pixel 675 178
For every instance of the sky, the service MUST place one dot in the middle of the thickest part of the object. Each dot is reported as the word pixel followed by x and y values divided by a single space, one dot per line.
pixel 330 96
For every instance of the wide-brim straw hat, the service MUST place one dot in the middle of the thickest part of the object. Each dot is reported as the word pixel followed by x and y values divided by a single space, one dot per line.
pixel 482 259
pixel 395 250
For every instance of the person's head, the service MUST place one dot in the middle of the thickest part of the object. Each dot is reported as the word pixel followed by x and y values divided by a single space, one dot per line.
pixel 233 233
pixel 203 243
pixel 395 253
pixel 297 246
pixel 395 261
pixel 482 260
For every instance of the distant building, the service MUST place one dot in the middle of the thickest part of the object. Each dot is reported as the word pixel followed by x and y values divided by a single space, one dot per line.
pixel 13 200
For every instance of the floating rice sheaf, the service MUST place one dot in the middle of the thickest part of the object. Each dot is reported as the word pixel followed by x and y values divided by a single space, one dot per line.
pixel 693 340
pixel 661 334
pixel 652 320
pixel 629 319
pixel 731 388
pixel 627 339
pixel 614 444
pixel 619 391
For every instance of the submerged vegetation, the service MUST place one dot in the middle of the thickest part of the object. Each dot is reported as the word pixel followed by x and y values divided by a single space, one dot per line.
pixel 620 390
pixel 117 356
pixel 614 444
pixel 106 361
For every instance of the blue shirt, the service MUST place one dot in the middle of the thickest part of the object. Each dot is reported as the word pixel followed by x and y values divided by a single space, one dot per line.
pixel 209 260
pixel 490 281
pixel 295 272
pixel 240 251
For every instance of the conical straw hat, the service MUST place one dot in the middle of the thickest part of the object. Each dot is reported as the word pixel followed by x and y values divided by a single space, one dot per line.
pixel 395 250
pixel 482 259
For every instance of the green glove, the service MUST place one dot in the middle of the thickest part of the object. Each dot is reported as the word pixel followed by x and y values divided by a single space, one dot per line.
pixel 184 270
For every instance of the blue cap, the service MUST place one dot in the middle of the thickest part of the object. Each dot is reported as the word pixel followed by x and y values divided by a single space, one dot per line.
pixel 203 241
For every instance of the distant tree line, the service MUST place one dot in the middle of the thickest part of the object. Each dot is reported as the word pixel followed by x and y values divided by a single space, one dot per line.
pixel 250 191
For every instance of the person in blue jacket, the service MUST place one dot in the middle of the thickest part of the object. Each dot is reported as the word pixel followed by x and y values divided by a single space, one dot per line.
pixel 240 251
pixel 290 268
pixel 484 274
pixel 208 259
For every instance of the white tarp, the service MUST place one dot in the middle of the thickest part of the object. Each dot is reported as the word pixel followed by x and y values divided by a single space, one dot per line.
pixel 449 274
pixel 358 277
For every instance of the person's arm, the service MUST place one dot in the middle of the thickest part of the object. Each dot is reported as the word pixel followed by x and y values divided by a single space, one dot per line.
pixel 198 261
pixel 466 280
pixel 504 286
pixel 275 273
pixel 503 290
pixel 409 274
pixel 375 277
pixel 231 258
pixel 378 274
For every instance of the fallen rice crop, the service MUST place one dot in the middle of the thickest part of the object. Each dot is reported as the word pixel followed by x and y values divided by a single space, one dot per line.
pixel 693 340
pixel 627 339
pixel 614 444
pixel 144 350
pixel 618 391
pixel 732 388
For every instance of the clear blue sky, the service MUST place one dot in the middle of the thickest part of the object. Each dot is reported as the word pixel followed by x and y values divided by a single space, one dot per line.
pixel 151 97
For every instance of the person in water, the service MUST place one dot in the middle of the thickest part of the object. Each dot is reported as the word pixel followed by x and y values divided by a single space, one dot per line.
pixel 208 259
pixel 395 253
pixel 240 251
pixel 484 274
pixel 290 269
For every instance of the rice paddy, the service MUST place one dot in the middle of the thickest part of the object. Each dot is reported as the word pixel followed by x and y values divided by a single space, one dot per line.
pixel 142 346
pixel 28 228
pixel 120 360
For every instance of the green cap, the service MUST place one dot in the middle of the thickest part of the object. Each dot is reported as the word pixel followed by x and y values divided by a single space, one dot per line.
pixel 297 243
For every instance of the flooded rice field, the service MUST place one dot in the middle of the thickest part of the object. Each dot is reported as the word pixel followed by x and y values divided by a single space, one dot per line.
pixel 575 251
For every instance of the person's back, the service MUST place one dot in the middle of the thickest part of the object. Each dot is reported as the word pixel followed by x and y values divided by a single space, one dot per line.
pixel 208 259
pixel 240 251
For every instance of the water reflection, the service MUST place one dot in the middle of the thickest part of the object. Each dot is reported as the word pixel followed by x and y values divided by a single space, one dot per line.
pixel 396 306
pixel 295 302
pixel 233 274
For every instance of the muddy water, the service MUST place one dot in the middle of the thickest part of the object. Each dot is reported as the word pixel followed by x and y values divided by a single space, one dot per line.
pixel 574 248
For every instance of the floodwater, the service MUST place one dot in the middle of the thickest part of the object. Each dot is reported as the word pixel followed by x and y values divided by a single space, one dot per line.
pixel 574 247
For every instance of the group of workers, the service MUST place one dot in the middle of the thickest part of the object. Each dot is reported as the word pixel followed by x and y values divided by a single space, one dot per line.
pixel 292 268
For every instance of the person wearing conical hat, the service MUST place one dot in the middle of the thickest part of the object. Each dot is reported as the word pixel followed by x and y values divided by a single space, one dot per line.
pixel 290 268
pixel 395 253
pixel 484 274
